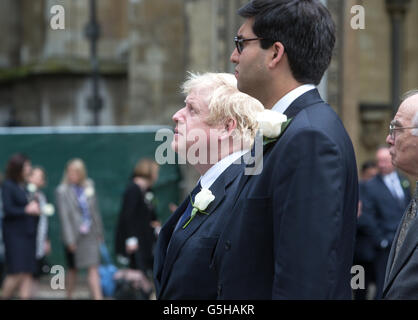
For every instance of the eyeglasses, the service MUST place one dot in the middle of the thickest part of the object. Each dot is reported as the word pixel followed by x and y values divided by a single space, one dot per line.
pixel 239 42
pixel 393 128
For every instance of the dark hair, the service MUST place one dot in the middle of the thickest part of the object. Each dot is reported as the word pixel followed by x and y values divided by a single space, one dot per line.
pixel 304 27
pixel 14 170
pixel 368 164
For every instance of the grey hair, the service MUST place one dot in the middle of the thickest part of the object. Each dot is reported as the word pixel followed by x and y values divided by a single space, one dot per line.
pixel 409 94
pixel 414 122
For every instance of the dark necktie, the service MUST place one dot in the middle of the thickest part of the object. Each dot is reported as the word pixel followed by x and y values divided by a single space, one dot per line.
pixel 186 215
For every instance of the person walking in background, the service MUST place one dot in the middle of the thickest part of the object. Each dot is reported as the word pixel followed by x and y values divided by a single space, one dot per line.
pixel 365 252
pixel 20 222
pixel 135 236
pixel 43 245
pixel 401 280
pixel 81 225
pixel 384 199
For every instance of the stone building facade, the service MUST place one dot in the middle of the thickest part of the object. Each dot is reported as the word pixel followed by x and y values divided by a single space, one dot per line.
pixel 146 48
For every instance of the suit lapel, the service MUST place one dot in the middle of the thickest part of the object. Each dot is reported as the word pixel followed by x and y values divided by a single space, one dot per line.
pixel 405 250
pixel 389 264
pixel 309 98
pixel 180 236
pixel 164 239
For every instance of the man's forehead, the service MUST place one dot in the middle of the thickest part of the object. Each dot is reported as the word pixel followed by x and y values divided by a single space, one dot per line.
pixel 246 27
pixel 407 110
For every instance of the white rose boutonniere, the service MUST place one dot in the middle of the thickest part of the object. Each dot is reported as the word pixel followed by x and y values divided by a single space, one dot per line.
pixel 272 124
pixel 31 187
pixel 48 209
pixel 89 192
pixel 201 202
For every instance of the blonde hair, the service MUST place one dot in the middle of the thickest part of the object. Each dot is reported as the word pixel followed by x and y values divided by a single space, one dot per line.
pixel 79 165
pixel 226 102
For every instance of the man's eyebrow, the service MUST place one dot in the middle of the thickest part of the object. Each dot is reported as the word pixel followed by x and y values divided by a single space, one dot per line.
pixel 396 123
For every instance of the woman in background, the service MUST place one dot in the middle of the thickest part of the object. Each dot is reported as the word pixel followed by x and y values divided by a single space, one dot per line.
pixel 81 225
pixel 135 236
pixel 36 182
pixel 20 222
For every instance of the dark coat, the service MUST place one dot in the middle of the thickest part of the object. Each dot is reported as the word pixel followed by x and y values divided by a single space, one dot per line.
pixel 382 212
pixel 401 281
pixel 19 230
pixel 183 271
pixel 135 221
pixel 291 232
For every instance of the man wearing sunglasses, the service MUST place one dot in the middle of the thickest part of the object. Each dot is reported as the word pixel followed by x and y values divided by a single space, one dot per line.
pixel 401 281
pixel 291 232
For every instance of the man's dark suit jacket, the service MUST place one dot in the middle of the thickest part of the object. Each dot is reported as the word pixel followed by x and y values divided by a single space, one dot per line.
pixel 182 271
pixel 382 209
pixel 291 233
pixel 401 281
pixel 365 248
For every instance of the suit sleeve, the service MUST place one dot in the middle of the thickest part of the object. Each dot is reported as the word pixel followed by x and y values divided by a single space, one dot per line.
pixel 308 196
pixel 69 235
pixel 10 207
pixel 130 207
pixel 368 220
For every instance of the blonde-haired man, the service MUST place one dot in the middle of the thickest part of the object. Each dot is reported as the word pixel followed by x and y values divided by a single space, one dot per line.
pixel 214 129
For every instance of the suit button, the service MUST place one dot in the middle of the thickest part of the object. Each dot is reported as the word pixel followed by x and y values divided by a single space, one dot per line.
pixel 227 245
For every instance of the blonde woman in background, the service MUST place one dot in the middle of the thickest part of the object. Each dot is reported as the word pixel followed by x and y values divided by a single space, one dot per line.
pixel 81 225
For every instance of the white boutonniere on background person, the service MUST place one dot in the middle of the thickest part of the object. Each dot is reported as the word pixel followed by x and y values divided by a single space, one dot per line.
pixel 272 124
pixel 201 202
pixel 31 188
pixel 48 209
pixel 149 196
pixel 405 184
pixel 89 192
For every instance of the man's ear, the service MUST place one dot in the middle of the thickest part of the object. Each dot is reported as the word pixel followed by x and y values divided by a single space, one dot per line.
pixel 277 52
pixel 229 127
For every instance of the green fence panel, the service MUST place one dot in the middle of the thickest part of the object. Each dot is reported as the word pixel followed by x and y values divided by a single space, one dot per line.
pixel 110 154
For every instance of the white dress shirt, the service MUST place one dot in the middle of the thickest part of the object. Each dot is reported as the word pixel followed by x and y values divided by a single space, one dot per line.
pixel 288 99
pixel 216 170
pixel 394 185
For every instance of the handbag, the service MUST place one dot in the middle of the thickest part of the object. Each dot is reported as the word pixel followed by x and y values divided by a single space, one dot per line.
pixel 106 272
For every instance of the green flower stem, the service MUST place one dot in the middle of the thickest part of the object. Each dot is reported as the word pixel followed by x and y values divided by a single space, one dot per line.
pixel 194 211
pixel 191 217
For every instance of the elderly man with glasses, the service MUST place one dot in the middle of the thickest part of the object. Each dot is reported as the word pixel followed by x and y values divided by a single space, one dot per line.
pixel 401 281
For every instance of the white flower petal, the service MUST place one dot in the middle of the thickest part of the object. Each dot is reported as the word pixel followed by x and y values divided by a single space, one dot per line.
pixel 203 199
pixel 270 123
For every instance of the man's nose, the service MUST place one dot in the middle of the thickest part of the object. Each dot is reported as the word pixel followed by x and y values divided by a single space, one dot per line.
pixel 234 56
pixel 176 116
pixel 389 140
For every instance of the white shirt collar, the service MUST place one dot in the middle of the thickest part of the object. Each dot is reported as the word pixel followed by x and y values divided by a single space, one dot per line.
pixel 287 100
pixel 216 170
